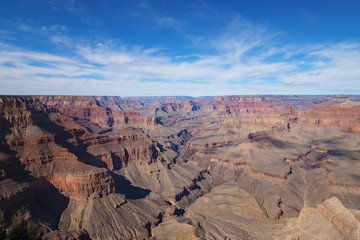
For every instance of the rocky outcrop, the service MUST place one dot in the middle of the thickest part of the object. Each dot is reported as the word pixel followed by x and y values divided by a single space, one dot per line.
pixel 238 104
pixel 116 150
pixel 185 107
pixel 153 101
pixel 81 107
pixel 22 111
pixel 341 218
pixel 178 228
pixel 112 217
pixel 133 118
pixel 345 115
pixel 131 103
pixel 265 121
pixel 229 211
pixel 115 103
pixel 83 184
pixel 89 109
pixel 61 162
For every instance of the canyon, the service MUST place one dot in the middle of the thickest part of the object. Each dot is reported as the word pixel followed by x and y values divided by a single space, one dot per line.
pixel 225 167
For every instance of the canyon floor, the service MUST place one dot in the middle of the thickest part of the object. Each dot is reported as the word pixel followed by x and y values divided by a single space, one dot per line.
pixel 229 167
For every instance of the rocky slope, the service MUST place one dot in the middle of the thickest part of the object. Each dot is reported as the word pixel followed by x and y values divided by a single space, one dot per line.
pixel 229 212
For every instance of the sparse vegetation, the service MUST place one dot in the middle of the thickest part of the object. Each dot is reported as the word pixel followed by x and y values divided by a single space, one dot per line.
pixel 20 229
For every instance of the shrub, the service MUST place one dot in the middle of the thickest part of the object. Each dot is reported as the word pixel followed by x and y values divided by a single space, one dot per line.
pixel 21 229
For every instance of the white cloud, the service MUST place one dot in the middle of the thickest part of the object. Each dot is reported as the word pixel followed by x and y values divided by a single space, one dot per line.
pixel 242 62
pixel 337 69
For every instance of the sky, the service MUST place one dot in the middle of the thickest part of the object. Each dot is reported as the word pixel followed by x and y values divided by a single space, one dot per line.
pixel 188 47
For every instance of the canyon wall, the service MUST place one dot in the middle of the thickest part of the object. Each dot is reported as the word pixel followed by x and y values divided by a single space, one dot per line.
pixel 135 168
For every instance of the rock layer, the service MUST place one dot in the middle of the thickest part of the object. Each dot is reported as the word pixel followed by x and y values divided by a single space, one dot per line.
pixel 251 167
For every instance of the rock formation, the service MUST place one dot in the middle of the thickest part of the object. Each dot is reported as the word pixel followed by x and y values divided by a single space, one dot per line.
pixel 236 167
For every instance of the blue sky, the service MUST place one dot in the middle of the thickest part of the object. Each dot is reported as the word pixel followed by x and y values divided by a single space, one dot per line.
pixel 189 47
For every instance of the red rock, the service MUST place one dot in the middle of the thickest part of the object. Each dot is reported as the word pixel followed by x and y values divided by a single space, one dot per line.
pixel 238 104
pixel 87 108
pixel 345 114
pixel 83 184
pixel 82 150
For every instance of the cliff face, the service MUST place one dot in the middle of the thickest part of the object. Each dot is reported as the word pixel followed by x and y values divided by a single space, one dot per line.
pixel 132 103
pixel 282 119
pixel 133 118
pixel 116 150
pixel 167 108
pixel 74 161
pixel 22 111
pixel 345 114
pixel 236 105
pixel 229 105
pixel 89 109
pixel 36 142
pixel 152 101
pixel 82 107
pixel 115 103
pixel 80 185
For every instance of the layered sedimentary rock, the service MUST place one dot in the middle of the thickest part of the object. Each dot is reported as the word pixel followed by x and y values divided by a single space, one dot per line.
pixel 187 106
pixel 239 167
pixel 67 164
pixel 224 105
pixel 153 101
pixel 116 103
pixel 22 112
pixel 33 141
pixel 237 105
pixel 131 103
pixel 345 115
pixel 79 185
pixel 231 212
pixel 80 107
pixel 119 148
pixel 341 218
pixel 89 109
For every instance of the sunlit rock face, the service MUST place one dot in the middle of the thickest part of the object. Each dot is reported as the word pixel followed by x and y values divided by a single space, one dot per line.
pixel 237 167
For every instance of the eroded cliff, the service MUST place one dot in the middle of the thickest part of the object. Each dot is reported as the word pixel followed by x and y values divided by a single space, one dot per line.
pixel 134 168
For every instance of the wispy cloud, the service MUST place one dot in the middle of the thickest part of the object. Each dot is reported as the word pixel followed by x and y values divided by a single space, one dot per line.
pixel 16 24
pixel 62 5
pixel 57 28
pixel 245 59
pixel 145 8
pixel 168 21
pixel 336 68
pixel 309 19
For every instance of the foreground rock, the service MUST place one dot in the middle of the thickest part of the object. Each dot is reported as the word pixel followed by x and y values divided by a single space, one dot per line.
pixel 229 212
pixel 341 218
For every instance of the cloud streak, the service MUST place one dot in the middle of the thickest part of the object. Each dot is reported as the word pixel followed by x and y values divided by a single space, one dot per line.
pixel 244 59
